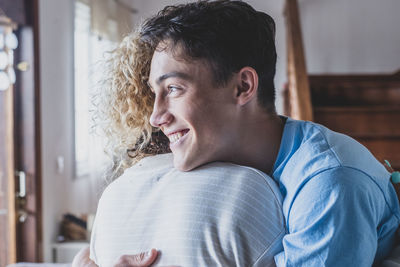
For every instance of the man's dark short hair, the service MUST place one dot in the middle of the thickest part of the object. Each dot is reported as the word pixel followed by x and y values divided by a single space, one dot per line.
pixel 228 35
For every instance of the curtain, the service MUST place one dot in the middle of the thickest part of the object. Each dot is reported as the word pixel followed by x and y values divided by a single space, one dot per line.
pixel 110 19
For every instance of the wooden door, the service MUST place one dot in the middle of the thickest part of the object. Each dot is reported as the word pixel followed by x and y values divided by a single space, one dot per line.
pixel 27 152
pixel 20 137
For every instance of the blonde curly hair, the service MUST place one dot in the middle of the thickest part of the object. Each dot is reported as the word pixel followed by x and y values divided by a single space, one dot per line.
pixel 124 105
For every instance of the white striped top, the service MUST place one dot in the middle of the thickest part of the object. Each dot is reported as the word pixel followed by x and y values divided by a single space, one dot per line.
pixel 219 214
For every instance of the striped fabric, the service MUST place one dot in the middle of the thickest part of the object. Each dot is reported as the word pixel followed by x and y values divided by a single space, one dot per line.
pixel 220 214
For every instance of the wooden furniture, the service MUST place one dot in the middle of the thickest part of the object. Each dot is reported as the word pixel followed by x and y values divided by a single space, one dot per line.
pixel 298 91
pixel 366 107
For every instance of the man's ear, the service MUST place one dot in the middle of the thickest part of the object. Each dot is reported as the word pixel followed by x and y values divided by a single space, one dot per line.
pixel 247 85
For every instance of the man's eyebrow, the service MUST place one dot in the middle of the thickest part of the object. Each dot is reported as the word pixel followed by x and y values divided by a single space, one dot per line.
pixel 178 74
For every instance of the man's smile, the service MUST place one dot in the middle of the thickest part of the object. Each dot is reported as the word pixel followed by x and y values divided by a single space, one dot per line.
pixel 176 136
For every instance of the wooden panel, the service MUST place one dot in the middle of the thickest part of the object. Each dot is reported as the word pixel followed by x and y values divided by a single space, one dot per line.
pixel 25 148
pixel 34 14
pixel 335 79
pixel 348 90
pixel 361 121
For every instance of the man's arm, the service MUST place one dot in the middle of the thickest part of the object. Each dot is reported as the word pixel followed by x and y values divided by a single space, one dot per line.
pixel 333 221
pixel 143 259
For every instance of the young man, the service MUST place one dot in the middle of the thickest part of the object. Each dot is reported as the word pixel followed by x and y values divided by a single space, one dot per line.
pixel 212 76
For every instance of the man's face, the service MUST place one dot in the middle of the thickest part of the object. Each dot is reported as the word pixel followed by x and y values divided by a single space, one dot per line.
pixel 196 115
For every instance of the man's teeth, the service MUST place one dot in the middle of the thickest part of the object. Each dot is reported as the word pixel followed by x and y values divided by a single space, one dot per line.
pixel 175 137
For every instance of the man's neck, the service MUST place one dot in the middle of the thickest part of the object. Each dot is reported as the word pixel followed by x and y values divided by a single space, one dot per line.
pixel 260 142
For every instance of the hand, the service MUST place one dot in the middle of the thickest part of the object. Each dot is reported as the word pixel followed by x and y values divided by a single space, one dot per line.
pixel 143 259
pixel 82 259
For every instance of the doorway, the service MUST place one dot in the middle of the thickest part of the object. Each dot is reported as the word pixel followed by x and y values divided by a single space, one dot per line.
pixel 20 187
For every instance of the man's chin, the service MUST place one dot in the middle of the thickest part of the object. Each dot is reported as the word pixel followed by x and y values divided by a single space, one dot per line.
pixel 184 166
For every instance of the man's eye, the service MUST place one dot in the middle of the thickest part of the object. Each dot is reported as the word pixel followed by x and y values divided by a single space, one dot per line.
pixel 172 89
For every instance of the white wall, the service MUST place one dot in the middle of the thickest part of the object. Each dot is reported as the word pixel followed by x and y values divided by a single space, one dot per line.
pixel 357 36
pixel 56 75
pixel 340 36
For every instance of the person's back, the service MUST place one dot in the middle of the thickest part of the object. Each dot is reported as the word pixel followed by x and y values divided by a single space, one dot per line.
pixel 220 214
pixel 345 192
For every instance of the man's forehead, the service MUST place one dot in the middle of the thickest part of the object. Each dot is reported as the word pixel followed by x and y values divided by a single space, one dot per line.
pixel 173 49
pixel 168 59
pixel 164 62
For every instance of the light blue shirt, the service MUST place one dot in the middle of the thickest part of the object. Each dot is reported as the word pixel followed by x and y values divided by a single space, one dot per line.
pixel 339 205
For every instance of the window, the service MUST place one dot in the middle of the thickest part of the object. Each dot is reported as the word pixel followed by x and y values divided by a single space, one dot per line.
pixel 90 51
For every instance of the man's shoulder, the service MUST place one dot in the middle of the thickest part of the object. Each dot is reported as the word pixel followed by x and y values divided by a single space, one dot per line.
pixel 321 149
pixel 318 150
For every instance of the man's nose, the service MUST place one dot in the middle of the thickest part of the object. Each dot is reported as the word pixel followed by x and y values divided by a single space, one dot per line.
pixel 161 115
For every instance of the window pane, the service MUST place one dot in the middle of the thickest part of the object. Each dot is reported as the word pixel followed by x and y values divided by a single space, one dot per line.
pixel 81 54
pixel 90 52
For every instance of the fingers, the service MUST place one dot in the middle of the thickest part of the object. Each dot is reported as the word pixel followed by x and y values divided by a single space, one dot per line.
pixel 143 259
pixel 82 259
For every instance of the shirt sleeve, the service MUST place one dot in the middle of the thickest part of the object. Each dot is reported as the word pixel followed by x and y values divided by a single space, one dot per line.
pixel 333 220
